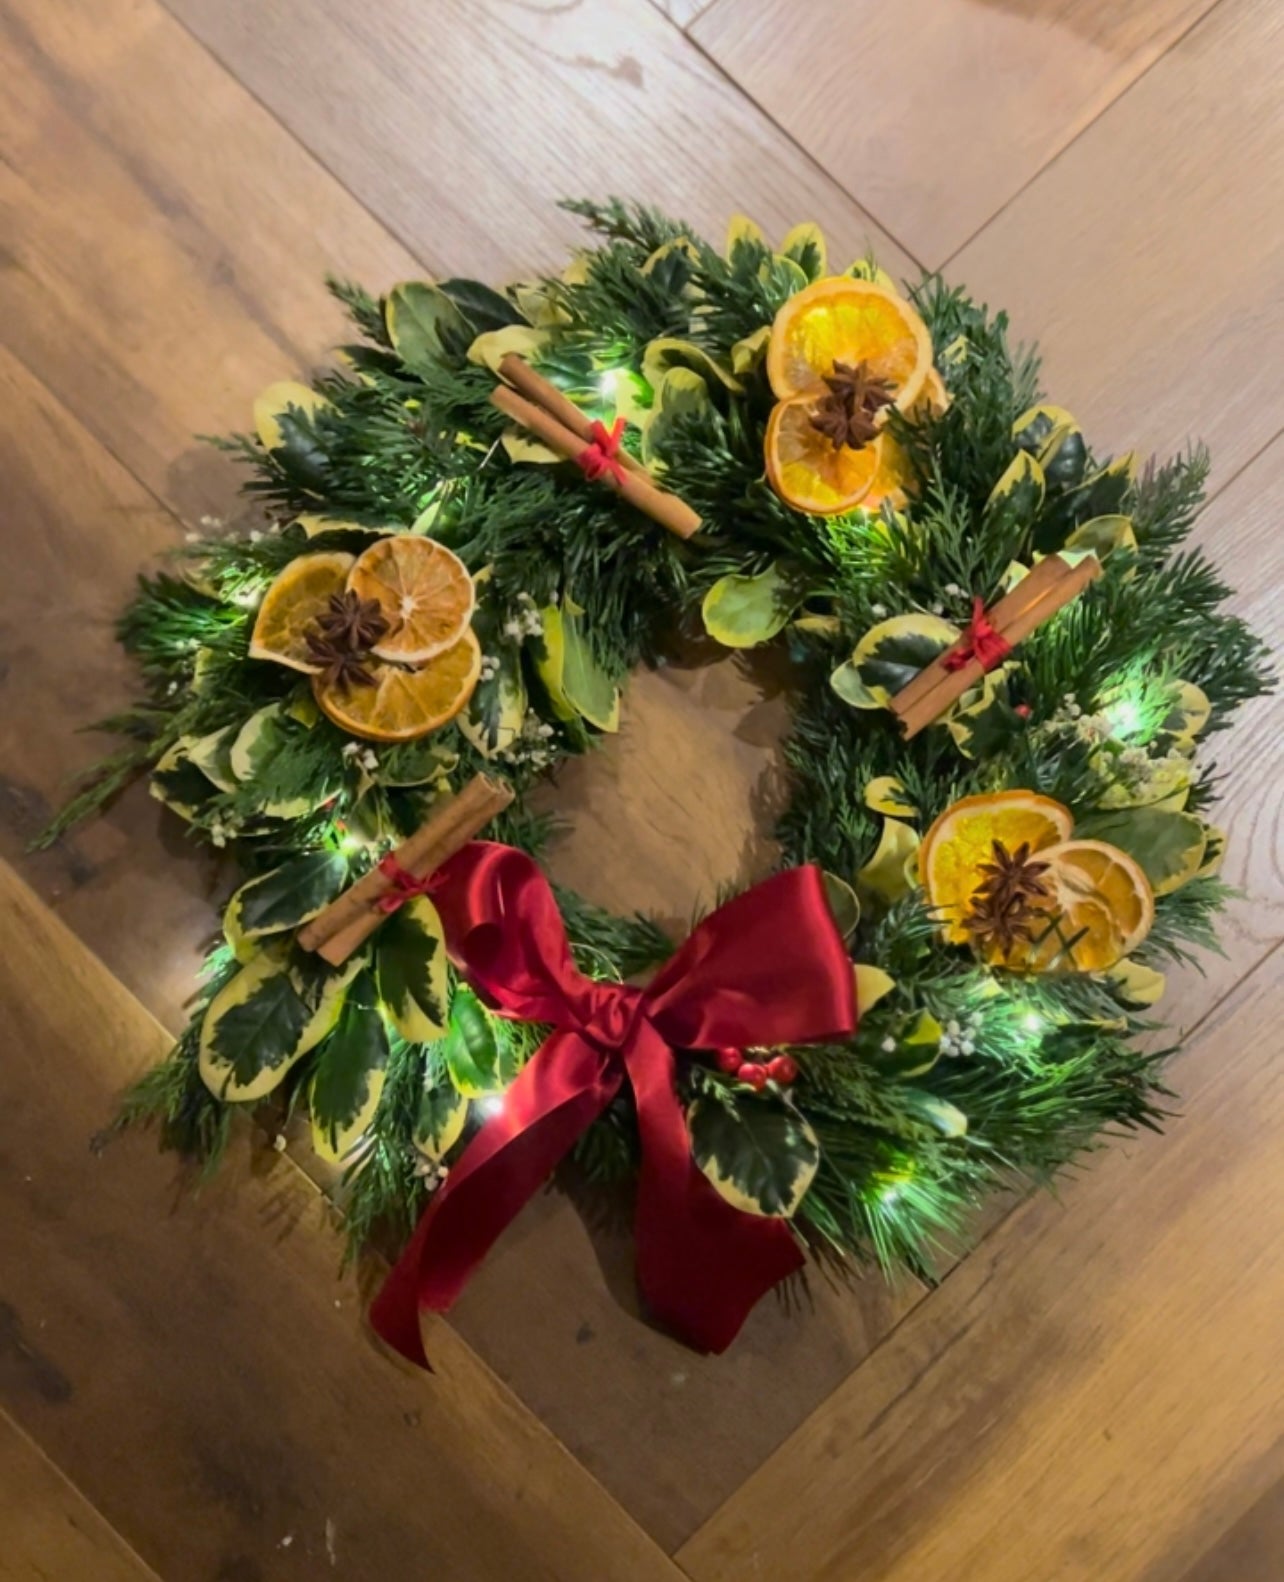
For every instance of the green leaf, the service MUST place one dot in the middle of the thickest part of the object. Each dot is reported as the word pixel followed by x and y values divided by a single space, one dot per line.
pixel 805 244
pixel 1053 437
pixel 1167 845
pixel 741 612
pixel 262 1022
pixel 484 308
pixel 1105 493
pixel 410 960
pixel 283 419
pixel 469 1047
pixel 1101 534
pixel 425 326
pixel 414 763
pixel 984 722
pixel 759 1153
pixel 889 656
pixel 290 895
pixel 521 340
pixel 918 1047
pixel 440 1121
pixel 347 1083
pixel 497 711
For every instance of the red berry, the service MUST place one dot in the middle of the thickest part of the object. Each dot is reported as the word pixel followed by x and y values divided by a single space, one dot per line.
pixel 783 1069
pixel 753 1076
pixel 1023 709
pixel 729 1060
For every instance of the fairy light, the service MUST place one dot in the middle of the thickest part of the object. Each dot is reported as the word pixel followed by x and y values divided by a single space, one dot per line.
pixel 608 385
pixel 491 1105
pixel 1125 716
pixel 1034 1024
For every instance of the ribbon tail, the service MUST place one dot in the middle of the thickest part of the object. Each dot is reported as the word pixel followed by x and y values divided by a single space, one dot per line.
pixel 555 1098
pixel 702 1264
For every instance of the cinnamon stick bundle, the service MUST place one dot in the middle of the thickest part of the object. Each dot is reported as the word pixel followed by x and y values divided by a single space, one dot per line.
pixel 1045 589
pixel 352 917
pixel 541 408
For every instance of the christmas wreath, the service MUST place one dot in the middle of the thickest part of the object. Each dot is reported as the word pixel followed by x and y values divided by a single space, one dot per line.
pixel 464 539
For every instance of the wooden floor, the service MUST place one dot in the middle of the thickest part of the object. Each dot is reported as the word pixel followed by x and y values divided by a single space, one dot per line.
pixel 1095 1393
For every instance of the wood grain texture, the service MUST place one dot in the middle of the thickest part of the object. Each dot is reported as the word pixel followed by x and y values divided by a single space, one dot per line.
pixel 164 241
pixel 462 123
pixel 1093 1396
pixel 255 1432
pixel 683 12
pixel 1146 262
pixel 49 1532
pixel 934 113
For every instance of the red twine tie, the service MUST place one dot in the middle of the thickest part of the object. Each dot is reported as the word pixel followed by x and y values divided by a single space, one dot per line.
pixel 405 885
pixel 980 642
pixel 602 454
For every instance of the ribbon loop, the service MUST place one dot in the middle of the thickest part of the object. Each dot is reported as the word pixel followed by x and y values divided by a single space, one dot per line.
pixel 602 454
pixel 982 641
pixel 768 968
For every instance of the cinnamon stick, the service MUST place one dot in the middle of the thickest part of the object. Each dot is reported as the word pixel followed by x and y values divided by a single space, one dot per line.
pixel 351 918
pixel 1047 588
pixel 542 393
pixel 635 487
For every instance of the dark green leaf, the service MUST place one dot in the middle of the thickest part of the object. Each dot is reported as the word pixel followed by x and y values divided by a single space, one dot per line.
pixel 758 1152
pixel 469 1046
pixel 484 308
pixel 290 895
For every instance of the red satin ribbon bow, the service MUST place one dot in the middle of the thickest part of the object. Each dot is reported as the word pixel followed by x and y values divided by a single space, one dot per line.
pixel 981 642
pixel 768 968
pixel 602 454
pixel 405 885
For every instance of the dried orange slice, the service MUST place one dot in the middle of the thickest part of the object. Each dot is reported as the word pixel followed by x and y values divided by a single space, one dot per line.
pixel 893 474
pixel 804 468
pixel 1090 876
pixel 850 321
pixel 962 839
pixel 404 703
pixel 425 593
pixel 292 604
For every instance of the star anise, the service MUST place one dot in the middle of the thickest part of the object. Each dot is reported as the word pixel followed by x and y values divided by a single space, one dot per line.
pixel 1002 912
pixel 351 620
pixel 341 665
pixel 846 415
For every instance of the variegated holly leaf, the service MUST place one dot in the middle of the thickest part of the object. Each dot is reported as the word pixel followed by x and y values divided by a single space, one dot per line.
pixel 887 795
pixel 212 755
pixel 741 612
pixel 1135 984
pixel 1054 439
pixel 577 685
pixel 260 744
pixel 758 1153
pixel 940 1114
pixel 888 658
pixel 497 711
pixel 749 352
pixel 410 964
pixel 349 1074
pixel 842 903
pixel 265 1020
pixel 1104 493
pixel 1018 496
pixel 521 340
pixel 887 874
pixel 984 722
pixel 180 785
pixel 469 1048
pixel 917 1047
pixel 1167 845
pixel 872 984
pixel 745 245
pixel 424 326
pixel 440 1121
pixel 1102 534
pixel 667 352
pixel 483 307
pixel 805 244
pixel 415 763
pixel 287 897
pixel 679 397
pixel 284 419
pixel 1187 716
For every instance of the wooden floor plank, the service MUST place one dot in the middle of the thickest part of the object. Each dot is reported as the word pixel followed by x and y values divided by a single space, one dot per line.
pixel 527 105
pixel 1094 1394
pixel 683 12
pixel 49 1532
pixel 1147 260
pixel 164 239
pixel 934 113
pixel 254 1431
